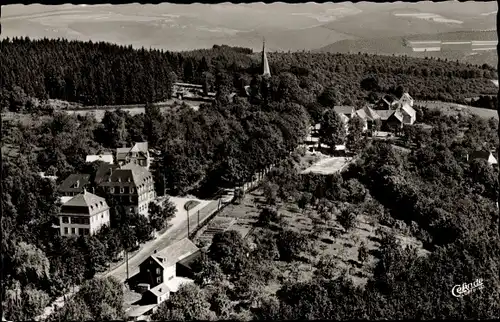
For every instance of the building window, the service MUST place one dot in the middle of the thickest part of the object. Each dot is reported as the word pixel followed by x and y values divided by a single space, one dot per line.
pixel 131 190
pixel 112 190
pixel 65 220
pixel 65 230
pixel 158 271
pixel 86 231
pixel 122 190
pixel 75 220
pixel 86 221
pixel 72 231
pixel 158 280
pixel 130 199
pixel 80 231
pixel 102 216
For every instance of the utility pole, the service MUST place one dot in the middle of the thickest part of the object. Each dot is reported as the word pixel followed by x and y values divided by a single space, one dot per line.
pixel 188 221
pixel 126 258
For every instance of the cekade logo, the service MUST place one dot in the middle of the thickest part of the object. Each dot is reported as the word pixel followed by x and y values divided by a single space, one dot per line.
pixel 466 289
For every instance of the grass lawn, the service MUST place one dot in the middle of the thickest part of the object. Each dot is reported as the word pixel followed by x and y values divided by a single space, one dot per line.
pixel 455 109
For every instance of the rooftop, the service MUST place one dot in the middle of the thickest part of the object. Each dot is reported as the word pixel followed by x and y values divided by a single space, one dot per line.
pixel 100 157
pixel 385 114
pixel 129 172
pixel 347 110
pixel 88 200
pixel 74 182
pixel 176 252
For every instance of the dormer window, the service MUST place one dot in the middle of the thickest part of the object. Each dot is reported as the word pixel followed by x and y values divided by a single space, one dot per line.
pixel 102 204
pixel 112 189
pixel 122 190
pixel 91 207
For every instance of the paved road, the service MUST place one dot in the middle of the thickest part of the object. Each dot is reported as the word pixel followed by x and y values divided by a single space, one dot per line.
pixel 173 234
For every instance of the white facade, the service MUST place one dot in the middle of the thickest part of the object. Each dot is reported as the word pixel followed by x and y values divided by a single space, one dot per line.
pixel 77 224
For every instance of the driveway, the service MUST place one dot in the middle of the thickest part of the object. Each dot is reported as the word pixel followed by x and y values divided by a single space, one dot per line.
pixel 177 231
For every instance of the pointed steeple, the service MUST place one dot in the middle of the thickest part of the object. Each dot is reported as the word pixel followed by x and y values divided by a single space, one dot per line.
pixel 265 64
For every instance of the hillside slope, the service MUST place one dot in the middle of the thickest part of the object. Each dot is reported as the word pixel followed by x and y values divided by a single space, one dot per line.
pixel 398 45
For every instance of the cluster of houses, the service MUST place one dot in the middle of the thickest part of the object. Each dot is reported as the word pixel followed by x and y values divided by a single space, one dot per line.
pixel 392 115
pixel 128 180
pixel 389 113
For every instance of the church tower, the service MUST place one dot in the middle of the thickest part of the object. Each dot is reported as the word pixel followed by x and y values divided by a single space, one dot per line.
pixel 265 64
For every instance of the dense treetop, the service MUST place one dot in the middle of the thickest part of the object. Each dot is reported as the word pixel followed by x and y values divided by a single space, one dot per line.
pixel 105 74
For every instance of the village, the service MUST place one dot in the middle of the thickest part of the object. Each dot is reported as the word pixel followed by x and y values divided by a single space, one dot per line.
pixel 157 269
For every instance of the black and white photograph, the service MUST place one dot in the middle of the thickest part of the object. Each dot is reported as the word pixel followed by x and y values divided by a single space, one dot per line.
pixel 252 161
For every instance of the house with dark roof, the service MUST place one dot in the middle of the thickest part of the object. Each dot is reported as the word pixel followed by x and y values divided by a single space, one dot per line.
pixel 483 154
pixel 160 269
pixel 131 184
pixel 138 154
pixel 74 184
pixel 385 103
pixel 83 214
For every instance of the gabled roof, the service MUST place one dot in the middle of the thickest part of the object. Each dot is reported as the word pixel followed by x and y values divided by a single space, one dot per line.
pixel 74 183
pixel 406 96
pixel 139 147
pixel 160 289
pixel 130 172
pixel 100 157
pixel 176 252
pixel 485 155
pixel 362 114
pixel 389 98
pixel 104 171
pixel 371 113
pixel 408 109
pixel 398 115
pixel 343 118
pixel 347 110
pixel 88 200
pixel 385 114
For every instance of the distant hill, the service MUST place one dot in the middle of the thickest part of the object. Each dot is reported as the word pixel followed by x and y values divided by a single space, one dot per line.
pixel 399 46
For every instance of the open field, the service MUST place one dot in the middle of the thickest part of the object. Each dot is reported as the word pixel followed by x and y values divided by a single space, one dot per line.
pixel 452 108
pixel 414 45
pixel 99 112
pixel 328 165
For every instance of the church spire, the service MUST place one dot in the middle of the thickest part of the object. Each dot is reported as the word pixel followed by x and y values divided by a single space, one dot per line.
pixel 265 64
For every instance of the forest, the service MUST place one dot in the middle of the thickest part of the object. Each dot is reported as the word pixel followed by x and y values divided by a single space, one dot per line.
pixel 445 202
pixel 98 73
